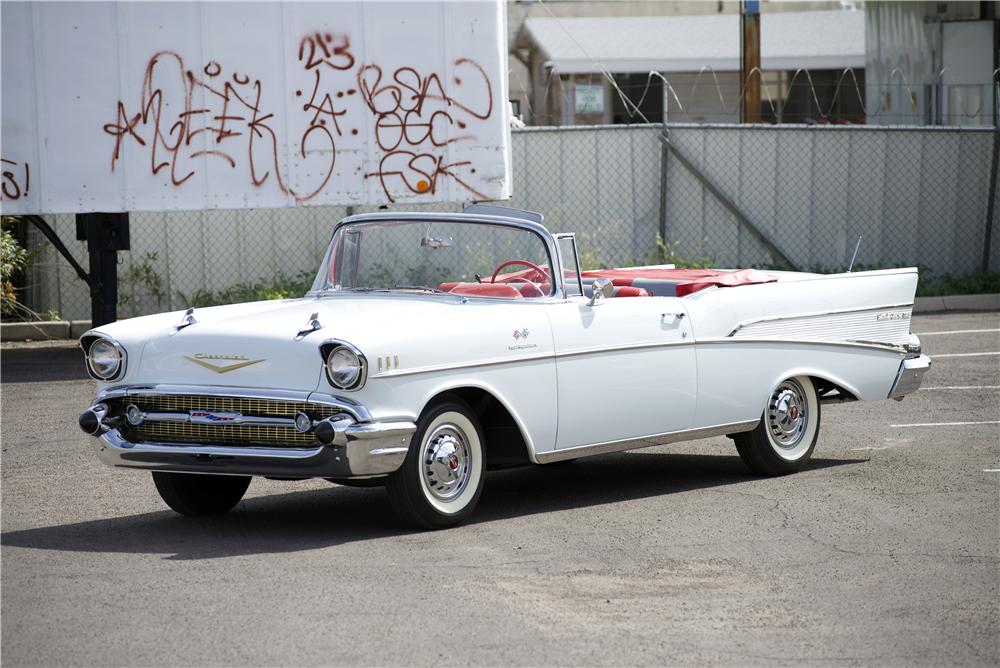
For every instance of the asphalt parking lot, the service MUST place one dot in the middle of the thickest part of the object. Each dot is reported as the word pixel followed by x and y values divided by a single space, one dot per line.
pixel 886 550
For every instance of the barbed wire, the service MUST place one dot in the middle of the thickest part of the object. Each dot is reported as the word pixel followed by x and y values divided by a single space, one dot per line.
pixel 800 77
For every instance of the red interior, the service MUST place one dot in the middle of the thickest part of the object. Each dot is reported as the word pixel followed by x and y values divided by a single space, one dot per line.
pixel 482 289
pixel 630 292
pixel 686 280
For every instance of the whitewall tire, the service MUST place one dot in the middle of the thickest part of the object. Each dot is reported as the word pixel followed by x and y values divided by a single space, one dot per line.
pixel 442 478
pixel 784 440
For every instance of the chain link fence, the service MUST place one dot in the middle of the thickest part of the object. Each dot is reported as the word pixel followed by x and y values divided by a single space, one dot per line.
pixel 801 197
pixel 728 196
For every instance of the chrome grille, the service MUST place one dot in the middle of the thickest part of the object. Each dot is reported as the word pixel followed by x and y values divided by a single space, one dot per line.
pixel 183 403
pixel 221 434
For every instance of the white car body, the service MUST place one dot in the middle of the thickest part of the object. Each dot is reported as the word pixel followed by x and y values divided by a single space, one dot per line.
pixel 575 377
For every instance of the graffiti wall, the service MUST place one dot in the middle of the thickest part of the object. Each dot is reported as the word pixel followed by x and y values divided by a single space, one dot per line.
pixel 185 106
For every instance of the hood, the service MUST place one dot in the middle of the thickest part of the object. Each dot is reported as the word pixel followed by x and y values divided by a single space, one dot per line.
pixel 254 345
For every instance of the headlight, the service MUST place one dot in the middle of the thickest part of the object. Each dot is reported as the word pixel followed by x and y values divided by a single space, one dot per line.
pixel 105 359
pixel 345 367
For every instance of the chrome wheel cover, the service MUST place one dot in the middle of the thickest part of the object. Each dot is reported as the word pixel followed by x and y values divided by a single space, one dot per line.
pixel 447 462
pixel 788 414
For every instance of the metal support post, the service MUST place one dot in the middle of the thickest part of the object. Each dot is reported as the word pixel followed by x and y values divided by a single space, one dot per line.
pixel 992 198
pixel 106 234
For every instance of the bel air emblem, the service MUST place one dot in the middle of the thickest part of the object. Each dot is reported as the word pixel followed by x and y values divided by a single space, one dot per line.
pixel 889 315
pixel 238 362
pixel 204 417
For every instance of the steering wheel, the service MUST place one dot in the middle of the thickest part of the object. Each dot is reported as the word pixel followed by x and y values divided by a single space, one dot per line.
pixel 540 274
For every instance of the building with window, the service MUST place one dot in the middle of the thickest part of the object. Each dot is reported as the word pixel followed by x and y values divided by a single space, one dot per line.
pixel 686 68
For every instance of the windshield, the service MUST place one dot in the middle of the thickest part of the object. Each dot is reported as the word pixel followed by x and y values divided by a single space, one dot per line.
pixel 486 260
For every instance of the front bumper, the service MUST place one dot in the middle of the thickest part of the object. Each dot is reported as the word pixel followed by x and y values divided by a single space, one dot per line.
pixel 356 447
pixel 910 375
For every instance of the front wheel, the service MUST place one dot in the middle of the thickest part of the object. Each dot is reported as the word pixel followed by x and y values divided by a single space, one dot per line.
pixel 441 479
pixel 784 440
pixel 196 495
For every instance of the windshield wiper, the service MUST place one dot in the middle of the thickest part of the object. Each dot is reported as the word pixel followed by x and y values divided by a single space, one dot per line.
pixel 417 287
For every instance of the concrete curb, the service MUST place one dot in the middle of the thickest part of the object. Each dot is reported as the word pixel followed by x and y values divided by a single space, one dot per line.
pixel 42 331
pixel 957 303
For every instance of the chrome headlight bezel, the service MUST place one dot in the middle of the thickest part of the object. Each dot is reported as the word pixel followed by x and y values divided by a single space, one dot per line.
pixel 333 348
pixel 108 344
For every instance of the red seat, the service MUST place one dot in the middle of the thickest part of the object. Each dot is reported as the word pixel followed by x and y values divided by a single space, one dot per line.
pixel 485 290
pixel 630 292
pixel 530 290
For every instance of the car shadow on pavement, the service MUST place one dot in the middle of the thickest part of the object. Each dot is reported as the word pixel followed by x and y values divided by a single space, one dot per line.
pixel 280 523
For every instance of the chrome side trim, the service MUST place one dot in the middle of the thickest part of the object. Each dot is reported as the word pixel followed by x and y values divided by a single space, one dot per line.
pixel 886 347
pixel 631 346
pixel 352 408
pixel 529 358
pixel 645 441
pixel 464 365
pixel 747 323
pixel 634 346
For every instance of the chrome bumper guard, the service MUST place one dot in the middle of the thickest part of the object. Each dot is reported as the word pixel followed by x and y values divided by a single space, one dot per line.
pixel 357 448
pixel 910 375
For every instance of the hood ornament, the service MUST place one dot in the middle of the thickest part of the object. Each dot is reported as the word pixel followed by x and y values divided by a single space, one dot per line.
pixel 311 327
pixel 186 321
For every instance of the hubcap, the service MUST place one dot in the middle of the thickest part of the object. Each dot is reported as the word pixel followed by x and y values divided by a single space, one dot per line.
pixel 447 462
pixel 787 415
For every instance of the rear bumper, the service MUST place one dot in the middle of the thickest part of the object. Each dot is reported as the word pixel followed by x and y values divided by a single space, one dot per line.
pixel 363 450
pixel 910 375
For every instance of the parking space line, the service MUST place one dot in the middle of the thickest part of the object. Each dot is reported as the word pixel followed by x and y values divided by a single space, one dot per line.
pixel 943 424
pixel 959 331
pixel 991 470
pixel 963 355
pixel 961 387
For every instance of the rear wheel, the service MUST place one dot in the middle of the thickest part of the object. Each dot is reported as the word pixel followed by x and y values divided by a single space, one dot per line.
pixel 441 479
pixel 784 439
pixel 196 495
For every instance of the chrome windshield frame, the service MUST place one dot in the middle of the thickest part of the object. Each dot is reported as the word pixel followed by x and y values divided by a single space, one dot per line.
pixel 551 247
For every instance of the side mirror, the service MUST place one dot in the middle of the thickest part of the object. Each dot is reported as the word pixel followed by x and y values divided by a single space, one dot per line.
pixel 602 287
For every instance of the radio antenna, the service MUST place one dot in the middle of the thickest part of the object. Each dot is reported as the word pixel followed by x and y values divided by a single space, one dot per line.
pixel 855 255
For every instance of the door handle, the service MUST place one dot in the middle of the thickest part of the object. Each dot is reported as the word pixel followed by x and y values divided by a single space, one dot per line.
pixel 675 316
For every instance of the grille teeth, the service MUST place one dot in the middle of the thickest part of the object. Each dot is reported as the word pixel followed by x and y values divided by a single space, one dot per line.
pixel 228 434
pixel 224 434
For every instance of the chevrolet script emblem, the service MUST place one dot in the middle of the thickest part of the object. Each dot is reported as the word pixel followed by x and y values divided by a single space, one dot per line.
pixel 237 362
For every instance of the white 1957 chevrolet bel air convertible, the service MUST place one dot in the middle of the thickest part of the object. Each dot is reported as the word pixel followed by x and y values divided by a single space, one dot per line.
pixel 433 347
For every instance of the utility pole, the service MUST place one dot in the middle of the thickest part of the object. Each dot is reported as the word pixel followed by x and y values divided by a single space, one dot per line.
pixel 750 61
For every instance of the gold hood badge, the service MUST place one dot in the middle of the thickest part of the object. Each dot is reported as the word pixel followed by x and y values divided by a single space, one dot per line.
pixel 237 362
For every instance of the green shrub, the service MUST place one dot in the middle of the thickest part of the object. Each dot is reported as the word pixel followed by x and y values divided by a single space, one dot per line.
pixel 281 286
pixel 13 260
